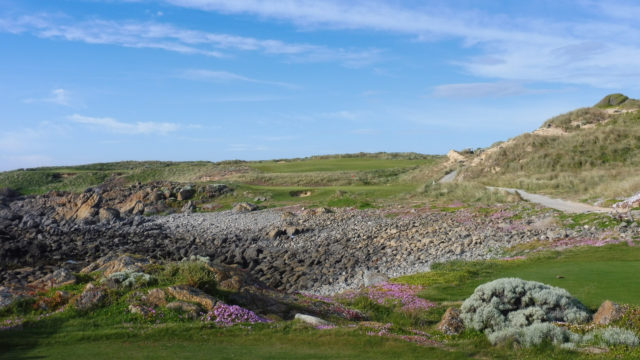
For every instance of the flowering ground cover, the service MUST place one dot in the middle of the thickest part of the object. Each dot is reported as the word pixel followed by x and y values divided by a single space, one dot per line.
pixel 402 297
pixel 228 315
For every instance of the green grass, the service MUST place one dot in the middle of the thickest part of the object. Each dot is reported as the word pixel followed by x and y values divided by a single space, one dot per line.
pixel 361 196
pixel 354 171
pixel 337 164
pixel 592 274
pixel 72 339
pixel 78 178
pixel 104 335
pixel 600 221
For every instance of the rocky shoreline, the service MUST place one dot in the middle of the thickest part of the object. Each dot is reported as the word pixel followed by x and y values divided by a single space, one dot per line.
pixel 321 251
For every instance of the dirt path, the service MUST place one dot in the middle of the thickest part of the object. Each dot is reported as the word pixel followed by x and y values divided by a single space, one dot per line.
pixel 553 203
pixel 558 204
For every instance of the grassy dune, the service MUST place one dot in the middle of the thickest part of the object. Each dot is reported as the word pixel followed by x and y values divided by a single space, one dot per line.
pixel 600 161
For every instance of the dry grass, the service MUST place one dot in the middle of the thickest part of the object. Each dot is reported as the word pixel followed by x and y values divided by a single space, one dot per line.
pixel 597 162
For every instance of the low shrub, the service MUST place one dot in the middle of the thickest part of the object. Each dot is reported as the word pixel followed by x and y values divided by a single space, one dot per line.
pixel 515 311
pixel 132 279
pixel 198 275
pixel 534 335
pixel 516 303
pixel 612 336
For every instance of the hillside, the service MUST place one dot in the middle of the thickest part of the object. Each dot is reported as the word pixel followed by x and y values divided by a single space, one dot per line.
pixel 588 154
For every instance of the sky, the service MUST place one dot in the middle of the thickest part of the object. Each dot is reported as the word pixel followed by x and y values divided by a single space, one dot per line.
pixel 85 81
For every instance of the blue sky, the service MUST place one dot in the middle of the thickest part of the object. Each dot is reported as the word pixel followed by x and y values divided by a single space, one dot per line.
pixel 85 81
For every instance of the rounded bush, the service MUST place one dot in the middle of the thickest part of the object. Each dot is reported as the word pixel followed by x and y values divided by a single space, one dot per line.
pixel 516 303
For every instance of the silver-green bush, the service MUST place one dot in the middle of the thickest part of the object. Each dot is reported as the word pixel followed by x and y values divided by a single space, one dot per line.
pixel 534 334
pixel 515 303
pixel 131 279
pixel 513 310
pixel 612 336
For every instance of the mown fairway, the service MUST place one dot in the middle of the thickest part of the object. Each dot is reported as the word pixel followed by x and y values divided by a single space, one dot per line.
pixel 338 164
pixel 592 274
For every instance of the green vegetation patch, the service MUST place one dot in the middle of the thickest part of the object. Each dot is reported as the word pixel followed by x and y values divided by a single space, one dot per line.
pixel 592 274
pixel 337 164
pixel 612 100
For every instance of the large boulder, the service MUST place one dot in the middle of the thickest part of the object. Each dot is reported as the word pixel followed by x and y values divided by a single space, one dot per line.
pixel 90 298
pixel 312 320
pixel 186 193
pixel 244 207
pixel 80 207
pixel 189 310
pixel 116 263
pixel 215 190
pixel 451 323
pixel 607 313
pixel 59 277
pixel 191 294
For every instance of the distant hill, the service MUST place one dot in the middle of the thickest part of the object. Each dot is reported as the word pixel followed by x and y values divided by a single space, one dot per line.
pixel 590 154
pixel 322 170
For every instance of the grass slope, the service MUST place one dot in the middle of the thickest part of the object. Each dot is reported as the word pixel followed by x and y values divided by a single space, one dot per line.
pixel 601 161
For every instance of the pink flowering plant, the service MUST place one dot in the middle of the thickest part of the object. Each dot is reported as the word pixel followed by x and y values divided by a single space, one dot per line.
pixel 401 297
pixel 228 315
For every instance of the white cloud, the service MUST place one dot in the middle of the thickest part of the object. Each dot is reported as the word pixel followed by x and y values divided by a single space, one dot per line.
pixel 497 89
pixel 601 51
pixel 113 125
pixel 168 37
pixel 58 96
pixel 225 76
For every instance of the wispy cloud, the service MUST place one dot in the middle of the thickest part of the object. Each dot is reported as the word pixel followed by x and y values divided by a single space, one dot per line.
pixel 113 125
pixel 58 96
pixel 601 51
pixel 225 76
pixel 616 9
pixel 497 89
pixel 164 36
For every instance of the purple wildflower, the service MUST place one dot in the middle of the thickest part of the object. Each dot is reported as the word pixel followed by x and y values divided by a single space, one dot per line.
pixel 227 315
